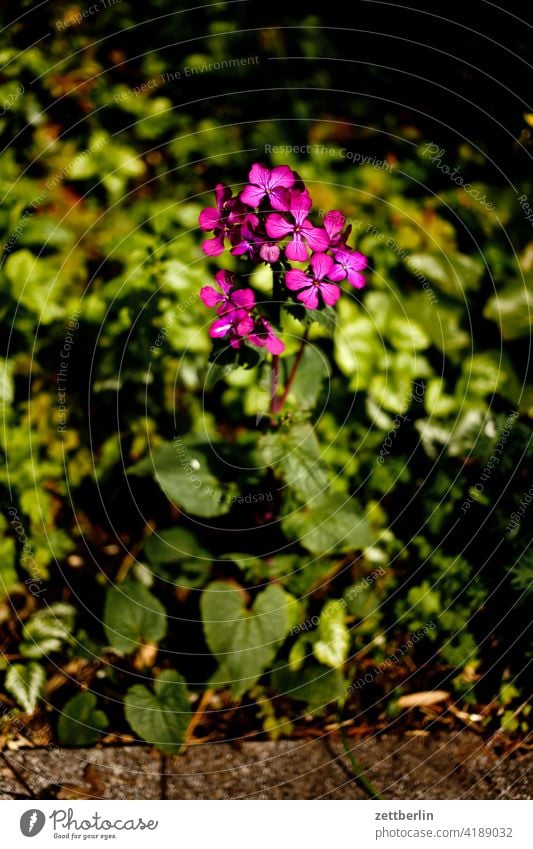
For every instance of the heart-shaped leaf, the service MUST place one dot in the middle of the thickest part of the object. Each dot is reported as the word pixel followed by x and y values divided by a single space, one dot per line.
pixel 333 638
pixel 81 723
pixel 133 616
pixel 160 717
pixel 178 556
pixel 25 682
pixel 244 641
pixel 296 454
pixel 183 474
pixel 328 525
pixel 48 630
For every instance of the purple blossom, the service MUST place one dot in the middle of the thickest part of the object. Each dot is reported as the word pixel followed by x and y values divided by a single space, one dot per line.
pixel 304 234
pixel 264 335
pixel 237 324
pixel 309 286
pixel 334 222
pixel 227 299
pixel 349 265
pixel 251 240
pixel 270 183
pixel 222 219
pixel 260 234
pixel 269 252
pixel 246 239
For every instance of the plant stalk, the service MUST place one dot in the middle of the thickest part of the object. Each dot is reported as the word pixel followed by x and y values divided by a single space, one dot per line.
pixel 358 770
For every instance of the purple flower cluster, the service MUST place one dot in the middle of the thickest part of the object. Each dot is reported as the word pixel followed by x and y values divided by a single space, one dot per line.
pixel 236 319
pixel 269 222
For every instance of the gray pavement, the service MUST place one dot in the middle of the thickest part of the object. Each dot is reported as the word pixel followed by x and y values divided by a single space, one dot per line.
pixel 441 766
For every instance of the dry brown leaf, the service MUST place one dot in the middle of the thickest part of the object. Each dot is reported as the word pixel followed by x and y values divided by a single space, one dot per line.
pixel 145 656
pixel 96 787
pixel 424 697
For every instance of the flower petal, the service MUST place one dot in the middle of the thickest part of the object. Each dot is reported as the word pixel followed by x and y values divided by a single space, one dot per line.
pixel 316 237
pixel 321 265
pixel 210 297
pixel 309 297
pixel 209 218
pixel 277 226
pixel 358 261
pixel 226 280
pixel 279 199
pixel 352 259
pixel 338 272
pixel 243 298
pixel 333 224
pixel 296 249
pixel 356 279
pixel 330 293
pixel 281 175
pixel 259 175
pixel 270 253
pixel 213 247
pixel 222 194
pixel 220 327
pixel 273 344
pixel 240 248
pixel 300 204
pixel 295 280
pixel 252 195
pixel 245 326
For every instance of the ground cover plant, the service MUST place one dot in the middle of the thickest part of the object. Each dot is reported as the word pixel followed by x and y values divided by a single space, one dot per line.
pixel 266 418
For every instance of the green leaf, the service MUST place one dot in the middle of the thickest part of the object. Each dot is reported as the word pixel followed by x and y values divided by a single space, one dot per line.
pixel 7 386
pixel 132 616
pixel 316 685
pixel 160 717
pixel 8 573
pixel 176 555
pixel 454 274
pixel 296 454
pixel 31 282
pixel 441 322
pixel 81 723
pixel 329 525
pixel 486 373
pixel 331 647
pixel 393 389
pixel 436 401
pixel 511 308
pixel 299 652
pixel 25 682
pixel 357 347
pixel 244 641
pixel 307 386
pixel 183 475
pixel 405 334
pixel 48 630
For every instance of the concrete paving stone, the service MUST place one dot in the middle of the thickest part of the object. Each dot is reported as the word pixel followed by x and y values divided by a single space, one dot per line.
pixel 268 770
pixel 10 786
pixel 131 772
pixel 440 766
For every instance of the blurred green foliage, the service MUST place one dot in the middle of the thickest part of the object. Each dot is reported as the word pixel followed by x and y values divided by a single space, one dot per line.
pixel 111 563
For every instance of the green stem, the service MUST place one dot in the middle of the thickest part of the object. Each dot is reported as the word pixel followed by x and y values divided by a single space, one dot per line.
pixel 292 373
pixel 358 769
pixel 277 271
pixel 276 404
pixel 274 380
